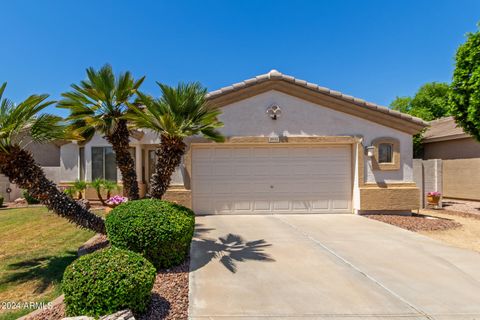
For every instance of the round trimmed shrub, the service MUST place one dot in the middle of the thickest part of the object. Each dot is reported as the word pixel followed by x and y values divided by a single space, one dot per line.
pixel 108 281
pixel 160 230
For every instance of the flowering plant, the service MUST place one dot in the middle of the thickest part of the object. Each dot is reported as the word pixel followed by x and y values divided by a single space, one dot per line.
pixel 434 194
pixel 116 200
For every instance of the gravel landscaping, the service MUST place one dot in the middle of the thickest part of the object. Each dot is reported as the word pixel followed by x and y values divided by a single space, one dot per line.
pixel 463 206
pixel 416 222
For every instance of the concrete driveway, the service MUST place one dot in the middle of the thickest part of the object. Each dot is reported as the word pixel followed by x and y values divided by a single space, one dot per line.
pixel 326 267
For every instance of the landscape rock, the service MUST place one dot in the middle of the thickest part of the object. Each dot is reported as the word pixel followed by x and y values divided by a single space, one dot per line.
pixel 20 201
pixel 84 203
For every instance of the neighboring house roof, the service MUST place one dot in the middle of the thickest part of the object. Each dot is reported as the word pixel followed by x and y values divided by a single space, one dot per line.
pixel 444 129
pixel 275 80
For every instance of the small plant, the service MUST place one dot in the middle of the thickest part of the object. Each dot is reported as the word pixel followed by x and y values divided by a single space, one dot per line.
pixel 161 231
pixel 1 201
pixel 107 281
pixel 434 194
pixel 70 191
pixel 103 185
pixel 80 186
pixel 109 186
pixel 29 198
pixel 116 201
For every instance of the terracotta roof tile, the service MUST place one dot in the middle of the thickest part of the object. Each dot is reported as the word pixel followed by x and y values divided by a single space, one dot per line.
pixel 274 74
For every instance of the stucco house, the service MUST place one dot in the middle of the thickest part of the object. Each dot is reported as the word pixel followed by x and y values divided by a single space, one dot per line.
pixel 47 155
pixel 459 168
pixel 292 146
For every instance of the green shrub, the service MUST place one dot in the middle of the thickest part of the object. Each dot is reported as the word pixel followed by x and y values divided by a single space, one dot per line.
pixel 107 281
pixel 1 201
pixel 161 231
pixel 29 198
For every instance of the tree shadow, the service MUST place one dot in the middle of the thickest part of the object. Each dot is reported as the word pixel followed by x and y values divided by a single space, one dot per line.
pixel 159 308
pixel 46 270
pixel 229 250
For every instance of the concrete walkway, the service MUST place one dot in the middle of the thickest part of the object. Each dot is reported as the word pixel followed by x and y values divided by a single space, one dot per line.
pixel 326 267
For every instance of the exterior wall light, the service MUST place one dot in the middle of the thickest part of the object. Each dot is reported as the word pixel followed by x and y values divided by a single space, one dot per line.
pixel 370 151
pixel 274 112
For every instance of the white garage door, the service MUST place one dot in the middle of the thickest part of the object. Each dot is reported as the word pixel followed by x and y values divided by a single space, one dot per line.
pixel 271 179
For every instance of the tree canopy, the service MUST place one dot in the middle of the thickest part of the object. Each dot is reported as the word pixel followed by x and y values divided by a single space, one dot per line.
pixel 429 103
pixel 465 93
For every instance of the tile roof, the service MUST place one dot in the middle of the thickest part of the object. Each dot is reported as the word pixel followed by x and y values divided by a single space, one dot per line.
pixel 276 75
pixel 443 129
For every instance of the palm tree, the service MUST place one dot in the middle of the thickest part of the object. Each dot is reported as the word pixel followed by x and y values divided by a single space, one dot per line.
pixel 98 104
pixel 19 121
pixel 80 186
pixel 179 113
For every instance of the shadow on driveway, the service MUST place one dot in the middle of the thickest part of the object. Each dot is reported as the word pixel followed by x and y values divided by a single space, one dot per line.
pixel 229 250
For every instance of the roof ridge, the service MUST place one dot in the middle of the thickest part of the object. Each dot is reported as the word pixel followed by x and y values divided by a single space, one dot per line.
pixel 277 75
pixel 442 119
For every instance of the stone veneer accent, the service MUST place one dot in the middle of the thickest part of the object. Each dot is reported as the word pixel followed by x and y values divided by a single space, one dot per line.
pixel 394 197
pixel 179 195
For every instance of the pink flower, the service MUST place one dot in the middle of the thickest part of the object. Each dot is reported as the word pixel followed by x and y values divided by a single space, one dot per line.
pixel 434 194
pixel 116 200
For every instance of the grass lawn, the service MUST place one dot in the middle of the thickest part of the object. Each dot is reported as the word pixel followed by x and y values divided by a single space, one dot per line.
pixel 35 248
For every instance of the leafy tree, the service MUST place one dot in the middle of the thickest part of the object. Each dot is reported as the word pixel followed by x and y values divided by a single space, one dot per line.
pixel 465 96
pixel 429 103
pixel 179 113
pixel 98 104
pixel 19 121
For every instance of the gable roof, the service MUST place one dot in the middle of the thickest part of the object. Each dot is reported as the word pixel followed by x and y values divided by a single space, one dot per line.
pixel 275 80
pixel 443 129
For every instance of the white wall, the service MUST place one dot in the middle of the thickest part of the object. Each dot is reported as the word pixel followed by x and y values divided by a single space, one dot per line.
pixel 69 162
pixel 299 118
pixel 303 118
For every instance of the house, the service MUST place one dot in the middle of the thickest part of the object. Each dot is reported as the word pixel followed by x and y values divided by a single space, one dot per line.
pixel 47 155
pixel 460 158
pixel 291 146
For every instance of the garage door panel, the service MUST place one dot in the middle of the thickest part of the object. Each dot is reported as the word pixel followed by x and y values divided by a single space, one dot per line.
pixel 271 179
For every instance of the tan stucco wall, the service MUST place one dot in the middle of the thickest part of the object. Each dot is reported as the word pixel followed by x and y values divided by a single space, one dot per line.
pixel 389 198
pixel 461 178
pixel 452 149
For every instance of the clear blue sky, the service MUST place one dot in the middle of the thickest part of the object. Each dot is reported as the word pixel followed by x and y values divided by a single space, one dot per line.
pixel 374 50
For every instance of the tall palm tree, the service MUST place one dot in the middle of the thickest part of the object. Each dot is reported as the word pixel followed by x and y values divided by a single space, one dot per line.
pixel 179 113
pixel 18 122
pixel 98 104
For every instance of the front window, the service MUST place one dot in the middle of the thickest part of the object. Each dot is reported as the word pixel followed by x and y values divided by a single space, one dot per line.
pixel 104 165
pixel 385 153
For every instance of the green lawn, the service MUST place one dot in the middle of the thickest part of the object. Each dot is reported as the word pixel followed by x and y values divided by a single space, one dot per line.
pixel 35 248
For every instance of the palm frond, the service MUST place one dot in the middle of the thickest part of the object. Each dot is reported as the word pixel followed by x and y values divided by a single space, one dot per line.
pixel 179 112
pixel 100 101
pixel 17 121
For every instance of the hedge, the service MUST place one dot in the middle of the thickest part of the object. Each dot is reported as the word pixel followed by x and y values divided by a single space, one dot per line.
pixel 161 231
pixel 107 281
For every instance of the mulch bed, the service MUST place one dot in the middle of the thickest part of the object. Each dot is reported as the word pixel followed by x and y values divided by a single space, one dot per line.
pixel 169 294
pixel 416 222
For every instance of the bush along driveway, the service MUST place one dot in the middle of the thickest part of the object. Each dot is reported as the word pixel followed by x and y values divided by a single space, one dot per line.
pixel 326 266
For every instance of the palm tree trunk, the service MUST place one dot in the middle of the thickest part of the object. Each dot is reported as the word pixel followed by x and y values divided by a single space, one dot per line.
pixel 120 141
pixel 169 157
pixel 20 167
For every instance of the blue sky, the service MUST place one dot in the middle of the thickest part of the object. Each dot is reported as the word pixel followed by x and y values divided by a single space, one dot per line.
pixel 374 50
